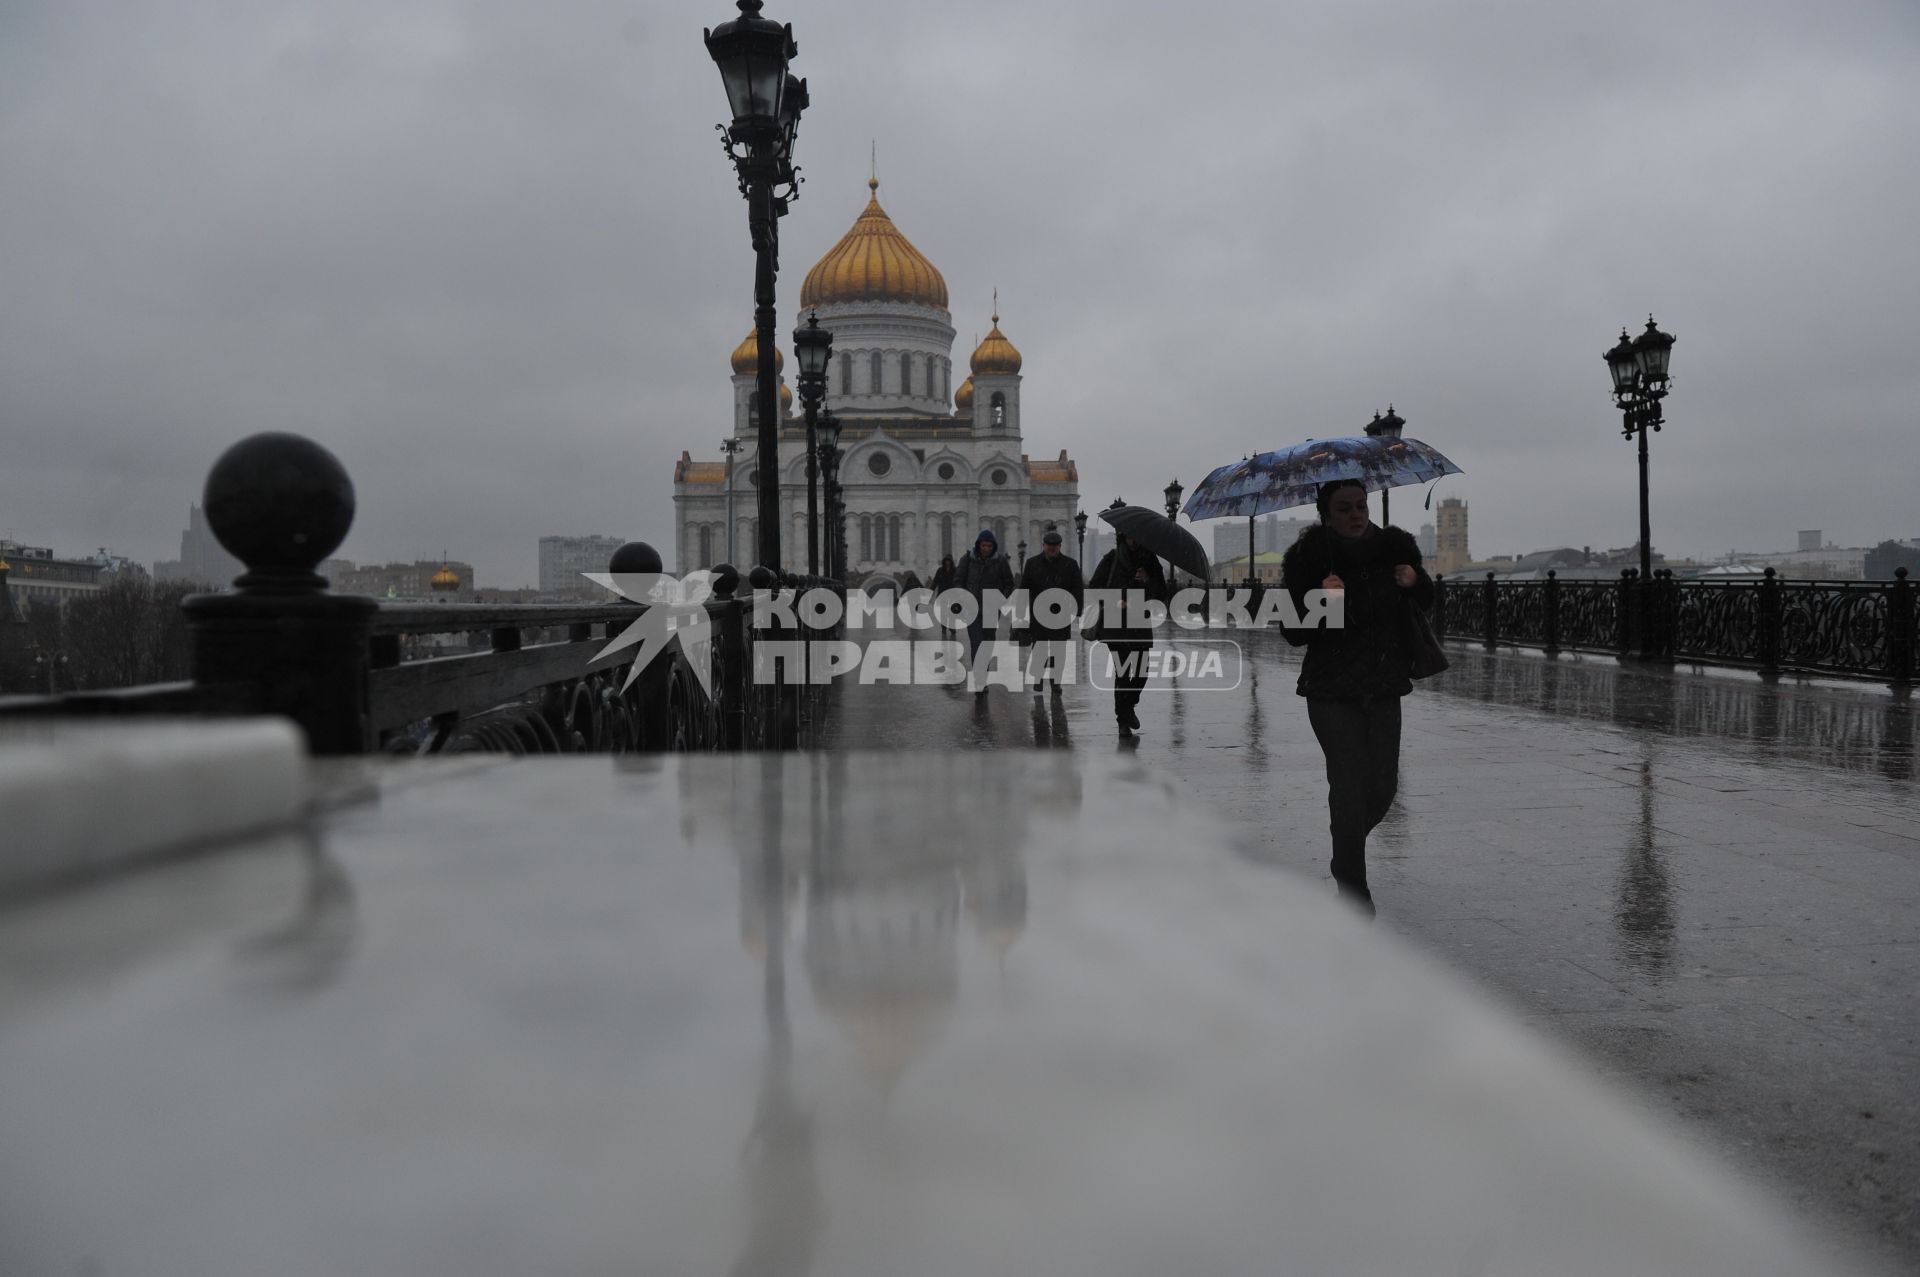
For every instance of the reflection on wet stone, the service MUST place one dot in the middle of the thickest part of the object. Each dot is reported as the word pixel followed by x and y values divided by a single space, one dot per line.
pixel 1643 915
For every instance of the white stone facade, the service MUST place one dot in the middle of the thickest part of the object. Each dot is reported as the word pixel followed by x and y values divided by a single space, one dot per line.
pixel 920 479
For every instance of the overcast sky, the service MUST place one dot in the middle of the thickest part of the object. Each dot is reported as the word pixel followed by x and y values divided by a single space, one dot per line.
pixel 490 253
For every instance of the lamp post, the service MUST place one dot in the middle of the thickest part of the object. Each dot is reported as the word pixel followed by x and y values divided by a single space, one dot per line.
pixel 1639 368
pixel 1080 536
pixel 1387 427
pixel 752 53
pixel 812 350
pixel 827 453
pixel 730 447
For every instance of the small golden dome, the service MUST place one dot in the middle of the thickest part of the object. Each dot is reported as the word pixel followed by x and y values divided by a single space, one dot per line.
pixel 746 356
pixel 963 397
pixel 445 579
pixel 786 398
pixel 5 566
pixel 873 262
pixel 996 356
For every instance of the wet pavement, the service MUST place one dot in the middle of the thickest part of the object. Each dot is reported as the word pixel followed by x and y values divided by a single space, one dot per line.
pixel 1706 882
pixel 904 1012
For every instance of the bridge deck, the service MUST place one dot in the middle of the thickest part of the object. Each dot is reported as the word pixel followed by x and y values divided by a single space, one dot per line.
pixel 1708 883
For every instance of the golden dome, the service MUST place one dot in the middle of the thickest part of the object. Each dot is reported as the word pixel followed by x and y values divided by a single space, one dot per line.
pixel 746 356
pixel 445 579
pixel 963 397
pixel 786 398
pixel 996 356
pixel 5 566
pixel 873 262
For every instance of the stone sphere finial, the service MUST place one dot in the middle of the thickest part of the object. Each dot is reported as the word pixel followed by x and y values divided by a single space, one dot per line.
pixel 635 556
pixel 725 580
pixel 763 577
pixel 280 503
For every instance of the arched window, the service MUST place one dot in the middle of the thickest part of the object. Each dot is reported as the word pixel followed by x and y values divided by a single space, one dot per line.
pixel 846 373
pixel 906 374
pixel 873 367
pixel 705 559
pixel 999 409
pixel 753 406
pixel 866 537
pixel 930 363
pixel 752 550
pixel 946 535
pixel 893 538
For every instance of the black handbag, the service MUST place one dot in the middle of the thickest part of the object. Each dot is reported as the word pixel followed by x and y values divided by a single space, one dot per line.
pixel 1427 656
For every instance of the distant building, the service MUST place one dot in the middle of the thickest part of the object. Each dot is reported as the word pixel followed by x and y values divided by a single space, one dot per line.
pixel 1266 568
pixel 1883 559
pixel 202 558
pixel 36 578
pixel 1450 537
pixel 1428 542
pixel 925 464
pixel 563 559
pixel 1811 540
pixel 1272 534
pixel 400 580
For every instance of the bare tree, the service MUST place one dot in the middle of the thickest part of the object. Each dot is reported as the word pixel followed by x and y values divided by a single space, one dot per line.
pixel 128 632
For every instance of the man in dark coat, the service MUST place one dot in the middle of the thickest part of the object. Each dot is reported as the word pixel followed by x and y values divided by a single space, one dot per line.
pixel 985 569
pixel 1050 570
pixel 1132 568
pixel 1353 677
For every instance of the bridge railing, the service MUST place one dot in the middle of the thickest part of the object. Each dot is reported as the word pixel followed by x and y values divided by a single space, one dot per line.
pixel 1856 629
pixel 532 679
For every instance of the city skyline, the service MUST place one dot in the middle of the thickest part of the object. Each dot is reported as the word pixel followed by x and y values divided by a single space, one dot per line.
pixel 492 260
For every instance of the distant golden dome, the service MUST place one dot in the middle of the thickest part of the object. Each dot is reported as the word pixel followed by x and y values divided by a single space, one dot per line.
pixel 963 397
pixel 786 397
pixel 996 356
pixel 445 579
pixel 5 566
pixel 873 262
pixel 746 356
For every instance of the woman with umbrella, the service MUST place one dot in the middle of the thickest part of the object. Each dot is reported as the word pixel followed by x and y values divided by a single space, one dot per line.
pixel 1353 677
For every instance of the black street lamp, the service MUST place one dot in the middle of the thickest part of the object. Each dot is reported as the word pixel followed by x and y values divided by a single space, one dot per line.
pixel 812 350
pixel 827 453
pixel 1172 495
pixel 1080 536
pixel 1387 427
pixel 730 448
pixel 1639 368
pixel 753 53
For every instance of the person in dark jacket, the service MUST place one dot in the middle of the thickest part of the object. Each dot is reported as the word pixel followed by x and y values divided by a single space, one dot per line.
pixel 943 575
pixel 1353 677
pixel 1050 569
pixel 1128 567
pixel 985 569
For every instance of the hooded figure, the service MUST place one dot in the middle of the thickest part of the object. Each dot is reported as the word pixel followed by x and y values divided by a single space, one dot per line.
pixel 982 570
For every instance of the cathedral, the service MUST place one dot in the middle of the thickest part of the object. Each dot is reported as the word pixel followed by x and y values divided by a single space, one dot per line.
pixel 924 464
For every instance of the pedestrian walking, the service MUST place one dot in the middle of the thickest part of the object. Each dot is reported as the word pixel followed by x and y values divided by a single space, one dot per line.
pixel 983 570
pixel 1049 635
pixel 942 582
pixel 1131 568
pixel 1354 676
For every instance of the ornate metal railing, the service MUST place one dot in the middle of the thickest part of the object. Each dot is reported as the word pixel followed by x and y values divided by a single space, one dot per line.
pixel 1856 629
pixel 283 643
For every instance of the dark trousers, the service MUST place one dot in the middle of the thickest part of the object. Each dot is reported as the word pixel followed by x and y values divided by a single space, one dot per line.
pixel 1126 686
pixel 1361 740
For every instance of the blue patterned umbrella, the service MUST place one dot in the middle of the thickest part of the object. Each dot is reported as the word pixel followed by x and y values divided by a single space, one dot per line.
pixel 1290 477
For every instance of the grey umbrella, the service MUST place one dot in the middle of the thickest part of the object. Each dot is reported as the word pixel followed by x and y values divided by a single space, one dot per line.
pixel 1161 535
